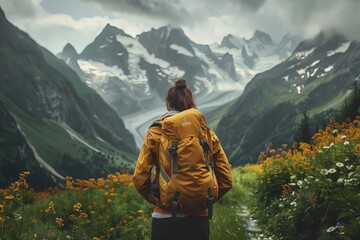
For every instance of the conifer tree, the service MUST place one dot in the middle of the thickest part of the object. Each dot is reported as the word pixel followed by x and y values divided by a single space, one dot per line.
pixel 304 134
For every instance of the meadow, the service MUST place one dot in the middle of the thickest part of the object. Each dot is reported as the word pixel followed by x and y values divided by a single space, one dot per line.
pixel 303 191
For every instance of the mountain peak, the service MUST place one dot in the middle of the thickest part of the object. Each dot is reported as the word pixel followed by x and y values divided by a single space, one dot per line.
pixel 321 38
pixel 2 15
pixel 110 30
pixel 263 37
pixel 169 28
pixel 69 49
pixel 232 41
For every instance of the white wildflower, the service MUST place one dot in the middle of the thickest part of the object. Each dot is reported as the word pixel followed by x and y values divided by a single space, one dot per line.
pixel 299 183
pixel 324 171
pixel 340 180
pixel 335 131
pixel 339 164
pixel 331 229
pixel 346 143
pixel 343 137
pixel 350 167
pixel 332 170
pixel 327 147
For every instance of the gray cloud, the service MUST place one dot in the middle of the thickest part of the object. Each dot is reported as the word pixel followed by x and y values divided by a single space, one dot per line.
pixel 277 17
pixel 252 5
pixel 308 17
pixel 179 12
pixel 19 8
pixel 168 11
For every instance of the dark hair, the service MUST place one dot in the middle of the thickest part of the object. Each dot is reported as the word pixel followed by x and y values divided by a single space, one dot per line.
pixel 180 97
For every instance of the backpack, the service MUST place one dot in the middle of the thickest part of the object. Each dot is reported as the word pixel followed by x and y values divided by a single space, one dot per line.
pixel 186 177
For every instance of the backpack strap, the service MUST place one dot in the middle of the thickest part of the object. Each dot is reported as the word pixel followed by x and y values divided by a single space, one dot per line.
pixel 156 124
pixel 213 158
pixel 206 149
pixel 173 157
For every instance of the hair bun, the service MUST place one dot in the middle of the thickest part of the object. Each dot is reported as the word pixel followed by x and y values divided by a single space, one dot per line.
pixel 180 84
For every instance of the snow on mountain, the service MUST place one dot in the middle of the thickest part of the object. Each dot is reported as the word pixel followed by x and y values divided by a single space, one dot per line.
pixel 255 55
pixel 261 43
pixel 233 41
pixel 300 55
pixel 316 78
pixel 286 46
pixel 343 47
pixel 134 74
pixel 181 50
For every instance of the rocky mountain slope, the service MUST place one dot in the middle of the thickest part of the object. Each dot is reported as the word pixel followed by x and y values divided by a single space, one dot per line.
pixel 61 122
pixel 315 79
pixel 133 74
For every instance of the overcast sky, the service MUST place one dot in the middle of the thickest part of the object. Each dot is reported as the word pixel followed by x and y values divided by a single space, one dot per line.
pixel 53 23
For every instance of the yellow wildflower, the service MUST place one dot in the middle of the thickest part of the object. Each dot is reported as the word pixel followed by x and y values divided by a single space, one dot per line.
pixel 59 222
pixel 72 217
pixel 83 215
pixel 77 207
pixel 9 197
pixel 2 208
pixel 51 208
pixel 357 148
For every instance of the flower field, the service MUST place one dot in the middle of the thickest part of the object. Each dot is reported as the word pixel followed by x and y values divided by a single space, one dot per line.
pixel 312 191
pixel 303 191
pixel 104 208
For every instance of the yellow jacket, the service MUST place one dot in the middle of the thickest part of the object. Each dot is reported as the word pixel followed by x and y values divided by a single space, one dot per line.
pixel 147 160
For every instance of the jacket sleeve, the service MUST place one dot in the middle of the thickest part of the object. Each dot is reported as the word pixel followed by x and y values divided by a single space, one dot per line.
pixel 142 173
pixel 221 166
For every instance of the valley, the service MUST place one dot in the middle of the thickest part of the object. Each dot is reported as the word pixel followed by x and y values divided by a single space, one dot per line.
pixel 138 123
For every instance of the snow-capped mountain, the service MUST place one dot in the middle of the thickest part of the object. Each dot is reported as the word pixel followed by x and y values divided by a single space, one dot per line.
pixel 134 74
pixel 262 44
pixel 286 46
pixel 255 55
pixel 316 78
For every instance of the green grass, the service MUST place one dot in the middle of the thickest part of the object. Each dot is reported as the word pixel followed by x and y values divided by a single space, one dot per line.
pixel 51 141
pixel 216 116
pixel 228 223
pixel 127 216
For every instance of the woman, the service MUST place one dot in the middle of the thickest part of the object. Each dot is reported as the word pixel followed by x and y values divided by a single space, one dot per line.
pixel 188 224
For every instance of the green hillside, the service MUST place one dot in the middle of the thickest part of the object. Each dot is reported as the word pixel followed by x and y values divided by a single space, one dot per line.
pixel 66 127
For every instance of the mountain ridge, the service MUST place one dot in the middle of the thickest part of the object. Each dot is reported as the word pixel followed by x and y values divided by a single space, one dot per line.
pixel 313 79
pixel 58 116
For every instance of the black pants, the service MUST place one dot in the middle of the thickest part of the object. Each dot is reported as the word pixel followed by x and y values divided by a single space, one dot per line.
pixel 183 228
